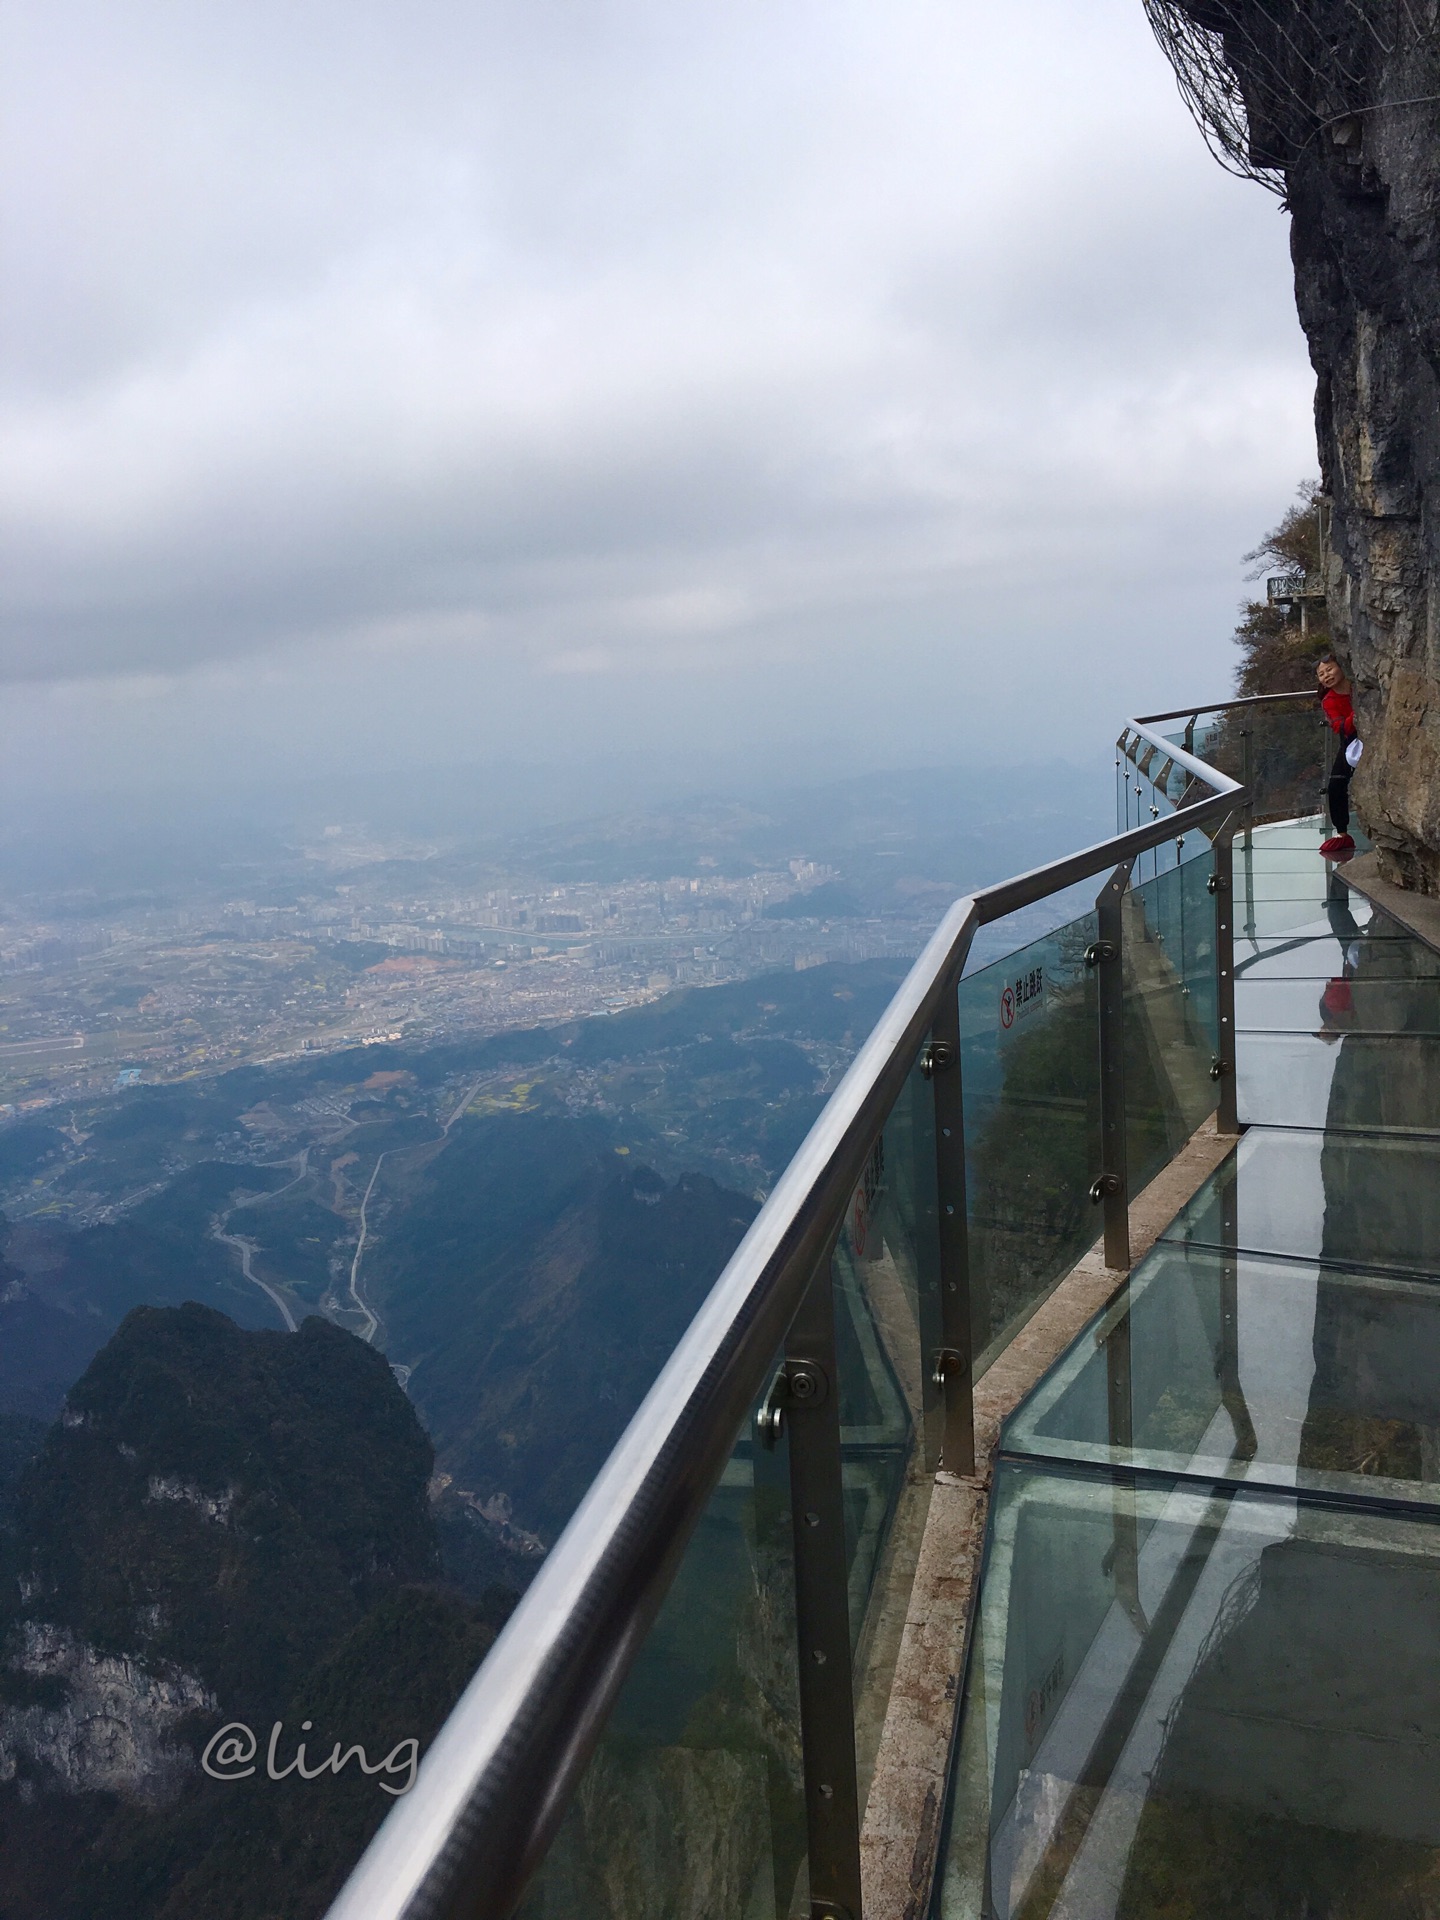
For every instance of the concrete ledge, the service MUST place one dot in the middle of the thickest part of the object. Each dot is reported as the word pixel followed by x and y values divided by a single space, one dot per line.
pixel 1418 913
pixel 903 1813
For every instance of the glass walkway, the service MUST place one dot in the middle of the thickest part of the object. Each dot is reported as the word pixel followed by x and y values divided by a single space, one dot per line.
pixel 1205 1678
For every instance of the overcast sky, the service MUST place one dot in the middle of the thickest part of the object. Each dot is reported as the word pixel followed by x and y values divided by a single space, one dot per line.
pixel 823 383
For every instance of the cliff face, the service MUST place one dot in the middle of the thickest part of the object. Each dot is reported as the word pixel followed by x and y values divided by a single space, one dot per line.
pixel 1336 103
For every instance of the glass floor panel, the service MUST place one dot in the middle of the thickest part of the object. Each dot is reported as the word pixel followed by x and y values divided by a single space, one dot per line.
pixel 1355 1081
pixel 1237 1368
pixel 1283 859
pixel 1300 853
pixel 1262 917
pixel 1285 883
pixel 1338 1003
pixel 1346 1199
pixel 1307 833
pixel 1192 1701
pixel 1387 953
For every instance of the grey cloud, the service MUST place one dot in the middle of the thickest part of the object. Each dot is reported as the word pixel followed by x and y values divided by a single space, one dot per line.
pixel 608 338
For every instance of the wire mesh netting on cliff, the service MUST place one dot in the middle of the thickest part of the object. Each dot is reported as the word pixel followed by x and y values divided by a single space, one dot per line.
pixel 1264 78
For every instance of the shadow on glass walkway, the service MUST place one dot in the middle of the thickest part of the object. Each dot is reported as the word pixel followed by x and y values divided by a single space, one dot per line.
pixel 1204 1679
pixel 1202 1676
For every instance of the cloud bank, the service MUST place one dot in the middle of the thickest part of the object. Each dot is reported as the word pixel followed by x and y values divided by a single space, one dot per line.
pixel 553 353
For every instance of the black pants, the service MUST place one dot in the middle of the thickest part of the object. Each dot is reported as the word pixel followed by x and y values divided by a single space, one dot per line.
pixel 1338 792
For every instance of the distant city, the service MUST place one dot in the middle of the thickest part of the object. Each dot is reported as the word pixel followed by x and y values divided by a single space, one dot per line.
pixel 350 936
pixel 159 995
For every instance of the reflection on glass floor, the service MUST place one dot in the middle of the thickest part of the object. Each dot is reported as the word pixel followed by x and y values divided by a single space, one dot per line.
pixel 1199 1701
pixel 1271 1372
pixel 1204 1678
pixel 1344 1199
pixel 1391 953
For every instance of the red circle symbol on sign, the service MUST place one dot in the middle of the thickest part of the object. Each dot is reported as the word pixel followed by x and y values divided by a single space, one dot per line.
pixel 1007 1008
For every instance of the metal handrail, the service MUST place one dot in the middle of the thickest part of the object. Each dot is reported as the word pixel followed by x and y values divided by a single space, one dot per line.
pixel 1228 706
pixel 494 1786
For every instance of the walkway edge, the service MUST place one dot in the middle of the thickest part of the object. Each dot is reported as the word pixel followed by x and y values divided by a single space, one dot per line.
pixel 905 1809
pixel 1418 913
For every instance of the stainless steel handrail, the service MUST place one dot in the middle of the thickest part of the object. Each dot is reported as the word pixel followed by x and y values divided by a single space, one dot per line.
pixel 1228 706
pixel 495 1783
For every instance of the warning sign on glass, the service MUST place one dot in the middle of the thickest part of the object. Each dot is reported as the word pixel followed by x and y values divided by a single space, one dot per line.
pixel 1022 996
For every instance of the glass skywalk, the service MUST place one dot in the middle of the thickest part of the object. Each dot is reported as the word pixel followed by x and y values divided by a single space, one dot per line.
pixel 1204 1679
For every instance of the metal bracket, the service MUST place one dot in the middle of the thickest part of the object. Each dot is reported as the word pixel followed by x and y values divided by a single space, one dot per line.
pixel 829 1910
pixel 1100 951
pixel 947 1361
pixel 798 1383
pixel 1108 1184
pixel 936 1056
pixel 1218 1069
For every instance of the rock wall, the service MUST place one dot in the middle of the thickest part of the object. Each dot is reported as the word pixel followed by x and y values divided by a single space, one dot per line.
pixel 1339 106
pixel 106 1725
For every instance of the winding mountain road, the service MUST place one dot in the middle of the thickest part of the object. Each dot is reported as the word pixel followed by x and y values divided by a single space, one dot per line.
pixel 371 1323
pixel 247 1249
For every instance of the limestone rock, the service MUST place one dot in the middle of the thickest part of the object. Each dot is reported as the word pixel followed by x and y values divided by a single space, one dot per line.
pixel 1339 105
pixel 108 1725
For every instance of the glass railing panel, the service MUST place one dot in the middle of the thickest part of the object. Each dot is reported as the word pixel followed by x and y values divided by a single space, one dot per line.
pixel 1284 753
pixel 693 1803
pixel 1171 1041
pixel 1192 1700
pixel 1150 786
pixel 1030 1063
pixel 887 1306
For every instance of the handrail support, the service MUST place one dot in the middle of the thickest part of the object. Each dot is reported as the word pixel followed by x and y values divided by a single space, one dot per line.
pixel 822 1611
pixel 1112 1188
pixel 953 1366
pixel 1223 881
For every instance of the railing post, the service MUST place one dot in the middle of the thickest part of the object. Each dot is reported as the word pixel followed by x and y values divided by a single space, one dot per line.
pixel 1222 882
pixel 1107 956
pixel 952 1368
pixel 822 1610
pixel 1247 784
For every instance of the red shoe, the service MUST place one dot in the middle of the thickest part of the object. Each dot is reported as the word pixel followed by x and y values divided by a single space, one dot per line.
pixel 1338 845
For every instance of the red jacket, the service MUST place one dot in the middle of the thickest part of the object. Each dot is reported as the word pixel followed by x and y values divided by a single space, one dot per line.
pixel 1340 712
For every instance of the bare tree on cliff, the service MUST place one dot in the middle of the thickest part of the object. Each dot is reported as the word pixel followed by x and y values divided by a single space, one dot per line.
pixel 1277 650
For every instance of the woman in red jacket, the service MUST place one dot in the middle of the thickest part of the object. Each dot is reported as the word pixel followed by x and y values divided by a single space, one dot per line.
pixel 1335 692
